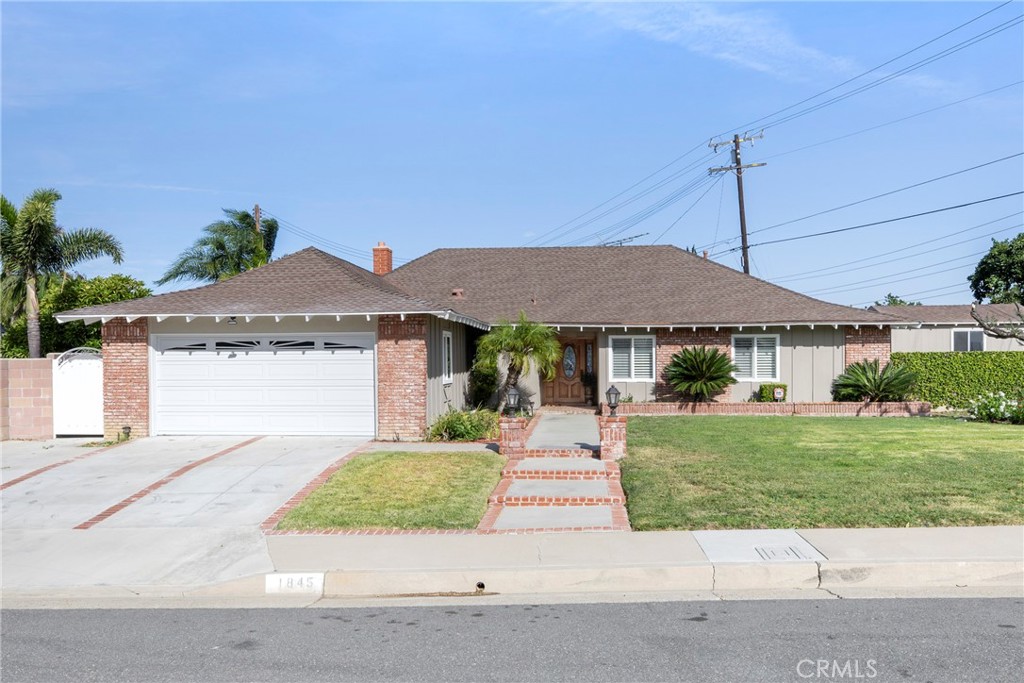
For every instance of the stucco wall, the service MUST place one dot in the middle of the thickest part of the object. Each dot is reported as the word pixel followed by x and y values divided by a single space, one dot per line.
pixel 941 339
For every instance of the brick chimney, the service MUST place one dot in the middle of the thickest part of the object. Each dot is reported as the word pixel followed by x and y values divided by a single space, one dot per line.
pixel 381 259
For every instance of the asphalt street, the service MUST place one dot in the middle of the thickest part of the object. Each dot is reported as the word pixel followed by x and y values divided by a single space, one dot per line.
pixel 769 640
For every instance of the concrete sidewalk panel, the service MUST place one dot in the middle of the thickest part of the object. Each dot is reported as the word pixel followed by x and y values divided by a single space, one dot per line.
pixel 931 543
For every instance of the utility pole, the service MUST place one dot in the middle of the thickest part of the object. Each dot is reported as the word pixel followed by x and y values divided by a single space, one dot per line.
pixel 737 167
pixel 256 215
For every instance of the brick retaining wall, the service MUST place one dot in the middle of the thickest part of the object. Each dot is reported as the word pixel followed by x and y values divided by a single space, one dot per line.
pixel 890 409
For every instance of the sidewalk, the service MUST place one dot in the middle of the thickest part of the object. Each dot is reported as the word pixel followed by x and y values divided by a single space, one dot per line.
pixel 718 564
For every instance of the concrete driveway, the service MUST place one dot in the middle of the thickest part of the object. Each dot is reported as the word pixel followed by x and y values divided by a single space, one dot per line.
pixel 162 510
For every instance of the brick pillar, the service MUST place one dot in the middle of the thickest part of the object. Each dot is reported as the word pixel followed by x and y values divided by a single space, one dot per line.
pixel 125 377
pixel 868 343
pixel 512 436
pixel 613 437
pixel 401 377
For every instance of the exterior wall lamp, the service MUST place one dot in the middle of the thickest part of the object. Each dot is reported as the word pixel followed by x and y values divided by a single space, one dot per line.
pixel 613 398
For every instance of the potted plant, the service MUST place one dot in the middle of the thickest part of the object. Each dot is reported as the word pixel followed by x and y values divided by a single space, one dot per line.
pixel 589 380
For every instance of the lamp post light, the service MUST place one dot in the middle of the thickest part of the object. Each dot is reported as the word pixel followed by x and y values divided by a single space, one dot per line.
pixel 613 398
pixel 512 400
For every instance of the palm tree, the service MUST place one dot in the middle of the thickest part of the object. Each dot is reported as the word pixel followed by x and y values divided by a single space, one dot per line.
pixel 521 344
pixel 35 249
pixel 227 247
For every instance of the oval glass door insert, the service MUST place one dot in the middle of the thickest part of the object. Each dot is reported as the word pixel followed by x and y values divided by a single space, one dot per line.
pixel 569 362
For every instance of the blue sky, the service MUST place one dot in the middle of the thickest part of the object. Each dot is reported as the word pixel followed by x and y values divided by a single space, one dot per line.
pixel 484 124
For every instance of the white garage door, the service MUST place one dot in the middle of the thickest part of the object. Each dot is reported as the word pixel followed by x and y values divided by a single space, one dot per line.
pixel 280 384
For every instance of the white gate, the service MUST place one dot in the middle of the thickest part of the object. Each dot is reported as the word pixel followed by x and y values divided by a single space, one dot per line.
pixel 78 393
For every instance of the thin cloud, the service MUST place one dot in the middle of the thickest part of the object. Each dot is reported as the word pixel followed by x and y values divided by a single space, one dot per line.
pixel 751 39
pixel 146 186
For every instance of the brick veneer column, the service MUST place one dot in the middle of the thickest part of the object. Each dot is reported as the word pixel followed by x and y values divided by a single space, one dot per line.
pixel 125 377
pixel 512 436
pixel 613 437
pixel 669 343
pixel 26 398
pixel 868 343
pixel 401 377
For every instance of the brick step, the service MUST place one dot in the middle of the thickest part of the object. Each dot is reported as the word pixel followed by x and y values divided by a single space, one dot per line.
pixel 557 469
pixel 549 501
pixel 547 492
pixel 560 453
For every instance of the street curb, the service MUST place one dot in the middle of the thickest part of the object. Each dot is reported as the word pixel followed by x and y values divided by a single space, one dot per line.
pixel 921 574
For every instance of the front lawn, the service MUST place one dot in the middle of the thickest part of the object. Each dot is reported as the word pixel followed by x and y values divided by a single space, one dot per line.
pixel 718 472
pixel 392 490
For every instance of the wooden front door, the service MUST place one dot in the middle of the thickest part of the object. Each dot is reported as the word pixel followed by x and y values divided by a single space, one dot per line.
pixel 567 388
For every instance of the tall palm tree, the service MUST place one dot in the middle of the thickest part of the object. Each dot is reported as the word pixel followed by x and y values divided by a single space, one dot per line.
pixel 35 248
pixel 227 247
pixel 522 344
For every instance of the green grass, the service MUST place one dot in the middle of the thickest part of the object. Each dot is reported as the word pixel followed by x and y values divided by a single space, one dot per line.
pixel 717 472
pixel 390 490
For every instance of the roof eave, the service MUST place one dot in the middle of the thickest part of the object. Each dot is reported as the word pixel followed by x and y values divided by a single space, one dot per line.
pixel 445 314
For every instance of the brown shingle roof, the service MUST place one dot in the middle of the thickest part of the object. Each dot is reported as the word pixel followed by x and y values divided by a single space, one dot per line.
pixel 960 313
pixel 634 285
pixel 306 282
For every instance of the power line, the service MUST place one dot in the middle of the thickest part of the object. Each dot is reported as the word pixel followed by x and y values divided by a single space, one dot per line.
pixel 757 122
pixel 877 196
pixel 961 285
pixel 883 279
pixel 899 258
pixel 894 121
pixel 883 222
pixel 710 187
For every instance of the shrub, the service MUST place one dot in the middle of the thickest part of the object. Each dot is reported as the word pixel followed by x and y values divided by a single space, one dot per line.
pixel 766 392
pixel 996 406
pixel 465 425
pixel 483 382
pixel 955 378
pixel 865 381
pixel 700 372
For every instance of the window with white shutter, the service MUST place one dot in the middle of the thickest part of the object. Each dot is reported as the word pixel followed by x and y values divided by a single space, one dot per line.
pixel 756 357
pixel 633 359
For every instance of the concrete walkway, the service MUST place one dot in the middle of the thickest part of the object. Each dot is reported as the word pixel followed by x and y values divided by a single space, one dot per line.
pixel 558 431
pixel 560 485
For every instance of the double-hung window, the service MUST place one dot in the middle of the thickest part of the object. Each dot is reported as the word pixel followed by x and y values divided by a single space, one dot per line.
pixel 968 340
pixel 447 367
pixel 633 359
pixel 756 357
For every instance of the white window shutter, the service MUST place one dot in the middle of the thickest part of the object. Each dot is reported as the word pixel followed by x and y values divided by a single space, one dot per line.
pixel 643 358
pixel 621 361
pixel 766 357
pixel 743 357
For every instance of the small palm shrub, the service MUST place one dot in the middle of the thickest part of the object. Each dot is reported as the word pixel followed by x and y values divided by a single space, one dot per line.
pixel 700 372
pixel 465 425
pixel 864 381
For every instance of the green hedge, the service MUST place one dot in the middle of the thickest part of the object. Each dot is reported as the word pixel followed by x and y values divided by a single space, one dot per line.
pixel 954 378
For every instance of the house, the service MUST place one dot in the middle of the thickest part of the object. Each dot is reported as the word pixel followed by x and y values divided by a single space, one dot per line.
pixel 949 328
pixel 312 344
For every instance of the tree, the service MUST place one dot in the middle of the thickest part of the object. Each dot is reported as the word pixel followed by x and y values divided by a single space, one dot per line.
pixel 999 276
pixel 34 246
pixel 226 248
pixel 1001 329
pixel 73 292
pixel 523 344
pixel 893 300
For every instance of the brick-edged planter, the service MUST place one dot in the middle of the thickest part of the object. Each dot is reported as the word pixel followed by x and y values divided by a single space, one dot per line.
pixel 824 408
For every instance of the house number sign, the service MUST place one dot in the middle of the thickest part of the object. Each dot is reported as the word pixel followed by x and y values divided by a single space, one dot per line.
pixel 312 582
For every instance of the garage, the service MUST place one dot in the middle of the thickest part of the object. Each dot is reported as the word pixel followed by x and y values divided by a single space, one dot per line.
pixel 293 384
